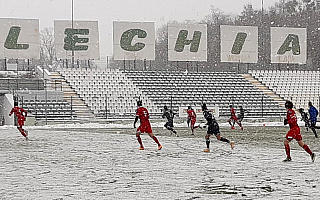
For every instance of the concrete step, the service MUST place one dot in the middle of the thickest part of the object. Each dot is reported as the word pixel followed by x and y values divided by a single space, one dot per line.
pixel 81 109
pixel 265 89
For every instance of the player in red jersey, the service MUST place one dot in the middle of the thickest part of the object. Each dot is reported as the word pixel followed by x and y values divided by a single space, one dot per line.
pixel 234 118
pixel 145 127
pixel 294 132
pixel 21 116
pixel 192 117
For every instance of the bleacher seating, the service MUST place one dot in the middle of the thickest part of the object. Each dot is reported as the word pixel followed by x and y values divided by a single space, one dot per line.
pixel 52 109
pixel 298 86
pixel 20 84
pixel 117 91
pixel 45 103
pixel 214 88
pixel 106 89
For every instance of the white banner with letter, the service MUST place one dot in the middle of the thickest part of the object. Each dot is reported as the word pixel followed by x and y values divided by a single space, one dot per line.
pixel 239 44
pixel 83 39
pixel 133 41
pixel 19 38
pixel 288 45
pixel 187 42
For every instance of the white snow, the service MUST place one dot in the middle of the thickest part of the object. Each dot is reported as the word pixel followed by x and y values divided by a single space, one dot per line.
pixel 62 162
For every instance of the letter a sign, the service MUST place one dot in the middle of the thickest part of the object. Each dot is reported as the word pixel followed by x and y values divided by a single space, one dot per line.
pixel 288 45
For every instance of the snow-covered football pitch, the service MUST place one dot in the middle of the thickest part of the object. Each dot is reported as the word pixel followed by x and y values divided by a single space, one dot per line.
pixel 91 161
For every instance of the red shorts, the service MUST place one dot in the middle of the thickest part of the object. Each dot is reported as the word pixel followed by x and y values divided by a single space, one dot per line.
pixel 234 118
pixel 145 128
pixel 193 121
pixel 294 133
pixel 21 121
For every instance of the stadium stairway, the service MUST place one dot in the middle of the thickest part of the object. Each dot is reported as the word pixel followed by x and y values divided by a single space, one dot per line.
pixel 81 109
pixel 264 89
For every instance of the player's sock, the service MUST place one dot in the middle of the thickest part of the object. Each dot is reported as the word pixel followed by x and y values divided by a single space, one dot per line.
pixel 156 140
pixel 208 142
pixel 314 132
pixel 26 132
pixel 287 147
pixel 224 140
pixel 306 148
pixel 23 133
pixel 241 126
pixel 140 141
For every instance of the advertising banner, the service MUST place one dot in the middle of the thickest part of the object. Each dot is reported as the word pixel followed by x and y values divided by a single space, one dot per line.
pixel 82 40
pixel 133 41
pixel 19 38
pixel 288 45
pixel 239 44
pixel 187 42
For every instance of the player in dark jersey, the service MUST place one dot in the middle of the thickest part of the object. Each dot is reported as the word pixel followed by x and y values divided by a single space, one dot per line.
pixel 167 113
pixel 241 114
pixel 21 115
pixel 145 127
pixel 313 112
pixel 294 132
pixel 192 117
pixel 234 118
pixel 304 117
pixel 213 128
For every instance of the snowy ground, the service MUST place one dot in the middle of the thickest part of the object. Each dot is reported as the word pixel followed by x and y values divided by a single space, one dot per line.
pixel 92 161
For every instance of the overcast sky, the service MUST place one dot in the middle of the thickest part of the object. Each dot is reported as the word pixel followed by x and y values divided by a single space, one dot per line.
pixel 107 11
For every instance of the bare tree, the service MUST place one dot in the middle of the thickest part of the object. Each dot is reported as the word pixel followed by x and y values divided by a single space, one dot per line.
pixel 47 48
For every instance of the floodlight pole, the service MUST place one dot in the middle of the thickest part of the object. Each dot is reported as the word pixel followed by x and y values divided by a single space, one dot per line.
pixel 72 56
pixel 106 106
pixel 262 35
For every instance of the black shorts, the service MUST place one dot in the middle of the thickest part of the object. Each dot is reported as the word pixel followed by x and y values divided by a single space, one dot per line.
pixel 169 124
pixel 213 130
pixel 240 118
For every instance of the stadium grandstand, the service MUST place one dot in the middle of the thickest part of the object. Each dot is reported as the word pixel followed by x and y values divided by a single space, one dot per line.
pixel 98 91
pixel 32 91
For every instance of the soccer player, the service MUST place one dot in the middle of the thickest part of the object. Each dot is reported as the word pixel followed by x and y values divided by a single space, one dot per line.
pixel 192 117
pixel 167 113
pixel 213 128
pixel 313 112
pixel 21 115
pixel 234 118
pixel 304 117
pixel 294 132
pixel 241 114
pixel 145 127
